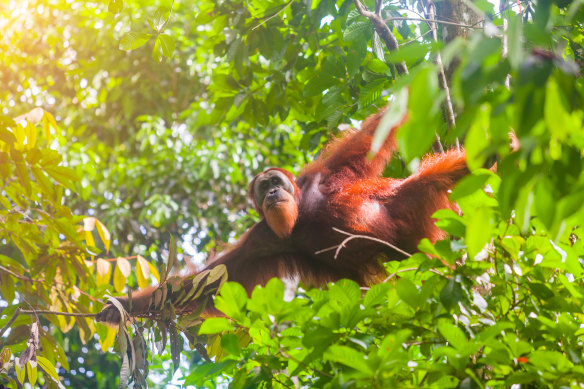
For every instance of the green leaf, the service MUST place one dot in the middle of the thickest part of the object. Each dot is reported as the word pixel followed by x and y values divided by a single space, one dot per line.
pixel 544 202
pixel 394 115
pixel 408 292
pixel 133 40
pixel 376 295
pixel 21 171
pixel 451 294
pixel 65 176
pixel 318 84
pixel 230 343
pixel 478 230
pixel 418 133
pixel 215 325
pixel 48 367
pixel 514 40
pixel 378 47
pixel 477 138
pixel 157 19
pixel 411 53
pixel 44 182
pixel 371 92
pixel 206 372
pixel 348 357
pixel 345 291
pixel 450 222
pixel 231 300
pixel 319 337
pixel 471 183
pixel 163 47
pixel 357 30
pixel 454 336
pixel 176 346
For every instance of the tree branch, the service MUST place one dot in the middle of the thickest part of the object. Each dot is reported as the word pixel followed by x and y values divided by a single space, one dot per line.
pixel 19 276
pixel 274 14
pixel 383 31
pixel 75 314
pixel 7 326
pixel 432 21
pixel 448 103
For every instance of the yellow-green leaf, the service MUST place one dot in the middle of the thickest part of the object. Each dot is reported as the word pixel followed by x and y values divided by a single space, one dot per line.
pixel 132 40
pixel 154 271
pixel 142 272
pixel 31 136
pixel 121 274
pixel 104 271
pixel 104 234
pixel 48 367
pixel 43 181
pixel 48 121
pixel 109 340
pixel 20 372
pixel 31 370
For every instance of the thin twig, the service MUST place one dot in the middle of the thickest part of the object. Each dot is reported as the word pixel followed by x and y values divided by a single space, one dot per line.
pixel 417 343
pixel 431 21
pixel 416 39
pixel 274 14
pixel 77 289
pixel 55 282
pixel 167 19
pixel 113 259
pixel 19 276
pixel 406 270
pixel 353 236
pixel 383 31
pixel 12 319
pixel 448 103
pixel 35 312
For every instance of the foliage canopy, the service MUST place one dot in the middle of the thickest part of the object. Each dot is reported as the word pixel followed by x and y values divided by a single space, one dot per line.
pixel 164 110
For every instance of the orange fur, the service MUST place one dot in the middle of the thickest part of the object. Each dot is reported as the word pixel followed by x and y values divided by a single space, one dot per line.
pixel 282 217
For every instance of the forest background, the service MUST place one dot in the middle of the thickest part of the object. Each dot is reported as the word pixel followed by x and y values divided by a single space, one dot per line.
pixel 144 121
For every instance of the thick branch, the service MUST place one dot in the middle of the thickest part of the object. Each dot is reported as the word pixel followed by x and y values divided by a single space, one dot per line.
pixel 383 31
